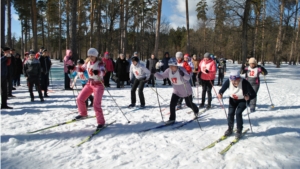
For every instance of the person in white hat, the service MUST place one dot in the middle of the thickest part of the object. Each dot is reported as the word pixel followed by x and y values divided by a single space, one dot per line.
pixel 252 75
pixel 179 78
pixel 95 84
pixel 240 92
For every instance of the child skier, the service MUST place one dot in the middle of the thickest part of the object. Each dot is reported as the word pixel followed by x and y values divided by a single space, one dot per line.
pixel 240 92
pixel 96 71
pixel 252 75
pixel 181 88
pixel 32 72
pixel 142 75
pixel 82 74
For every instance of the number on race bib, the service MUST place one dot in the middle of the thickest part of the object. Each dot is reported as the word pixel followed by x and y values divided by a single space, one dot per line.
pixel 174 80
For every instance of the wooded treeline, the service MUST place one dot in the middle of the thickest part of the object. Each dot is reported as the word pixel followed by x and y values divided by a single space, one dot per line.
pixel 265 29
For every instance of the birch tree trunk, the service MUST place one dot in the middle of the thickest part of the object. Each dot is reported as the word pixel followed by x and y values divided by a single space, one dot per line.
pixel 157 28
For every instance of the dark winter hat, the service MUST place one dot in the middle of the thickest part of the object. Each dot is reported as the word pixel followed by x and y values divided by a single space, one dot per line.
pixel 42 47
pixel 135 59
pixel 206 55
pixel 172 62
pixel 234 75
pixel 166 53
pixel 80 61
pixel 31 52
pixel 6 49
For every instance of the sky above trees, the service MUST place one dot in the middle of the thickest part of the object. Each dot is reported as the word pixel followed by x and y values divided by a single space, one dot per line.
pixel 173 11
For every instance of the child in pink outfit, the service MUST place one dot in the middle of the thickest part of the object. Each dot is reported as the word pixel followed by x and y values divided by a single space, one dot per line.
pixel 96 71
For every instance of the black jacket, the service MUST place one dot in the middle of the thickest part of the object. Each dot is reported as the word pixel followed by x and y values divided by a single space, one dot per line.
pixel 246 87
pixel 45 64
pixel 151 64
pixel 32 68
pixel 121 69
pixel 19 66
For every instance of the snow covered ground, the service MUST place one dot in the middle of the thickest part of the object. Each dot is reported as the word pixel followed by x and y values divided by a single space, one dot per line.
pixel 274 143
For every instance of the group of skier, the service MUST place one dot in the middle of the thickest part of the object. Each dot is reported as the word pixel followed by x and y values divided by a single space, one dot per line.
pixel 182 72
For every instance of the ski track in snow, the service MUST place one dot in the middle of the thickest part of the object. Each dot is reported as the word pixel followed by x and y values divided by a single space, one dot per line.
pixel 274 142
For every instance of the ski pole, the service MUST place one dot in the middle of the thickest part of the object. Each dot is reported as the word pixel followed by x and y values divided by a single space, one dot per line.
pixel 249 116
pixel 191 103
pixel 272 105
pixel 158 101
pixel 157 92
pixel 74 96
pixel 51 80
pixel 113 99
pixel 218 98
pixel 198 89
pixel 224 107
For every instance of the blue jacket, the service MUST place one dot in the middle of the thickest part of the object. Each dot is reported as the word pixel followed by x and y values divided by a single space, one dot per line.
pixel 83 80
pixel 3 66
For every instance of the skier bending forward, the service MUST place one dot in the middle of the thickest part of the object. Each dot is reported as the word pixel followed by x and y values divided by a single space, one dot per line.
pixel 181 88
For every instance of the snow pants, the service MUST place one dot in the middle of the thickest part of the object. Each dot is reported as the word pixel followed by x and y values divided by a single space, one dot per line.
pixel 98 90
pixel 138 83
pixel 188 101
pixel 36 82
pixel 236 107
pixel 206 87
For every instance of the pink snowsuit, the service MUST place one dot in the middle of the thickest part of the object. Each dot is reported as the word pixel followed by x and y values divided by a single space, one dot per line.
pixel 67 60
pixel 94 85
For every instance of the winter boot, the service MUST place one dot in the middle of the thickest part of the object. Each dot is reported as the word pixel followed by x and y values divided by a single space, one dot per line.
pixel 169 122
pixel 238 134
pixel 252 110
pixel 131 105
pixel 228 132
pixel 79 117
pixel 201 105
pixel 208 106
pixel 142 106
pixel 99 127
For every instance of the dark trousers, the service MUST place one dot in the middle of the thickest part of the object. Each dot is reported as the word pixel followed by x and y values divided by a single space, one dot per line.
pixel 119 83
pixel 44 82
pixel 36 82
pixel 9 85
pixel 194 78
pixel 236 107
pixel 165 81
pixel 173 103
pixel 67 81
pixel 220 78
pixel 206 88
pixel 253 101
pixel 17 80
pixel 3 91
pixel 138 83
pixel 152 80
pixel 106 79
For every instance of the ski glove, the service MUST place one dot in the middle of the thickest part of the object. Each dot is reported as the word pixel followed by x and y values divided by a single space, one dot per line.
pixel 96 72
pixel 181 72
pixel 206 71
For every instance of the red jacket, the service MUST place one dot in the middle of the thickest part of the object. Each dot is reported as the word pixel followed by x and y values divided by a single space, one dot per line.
pixel 108 64
pixel 185 65
pixel 210 66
